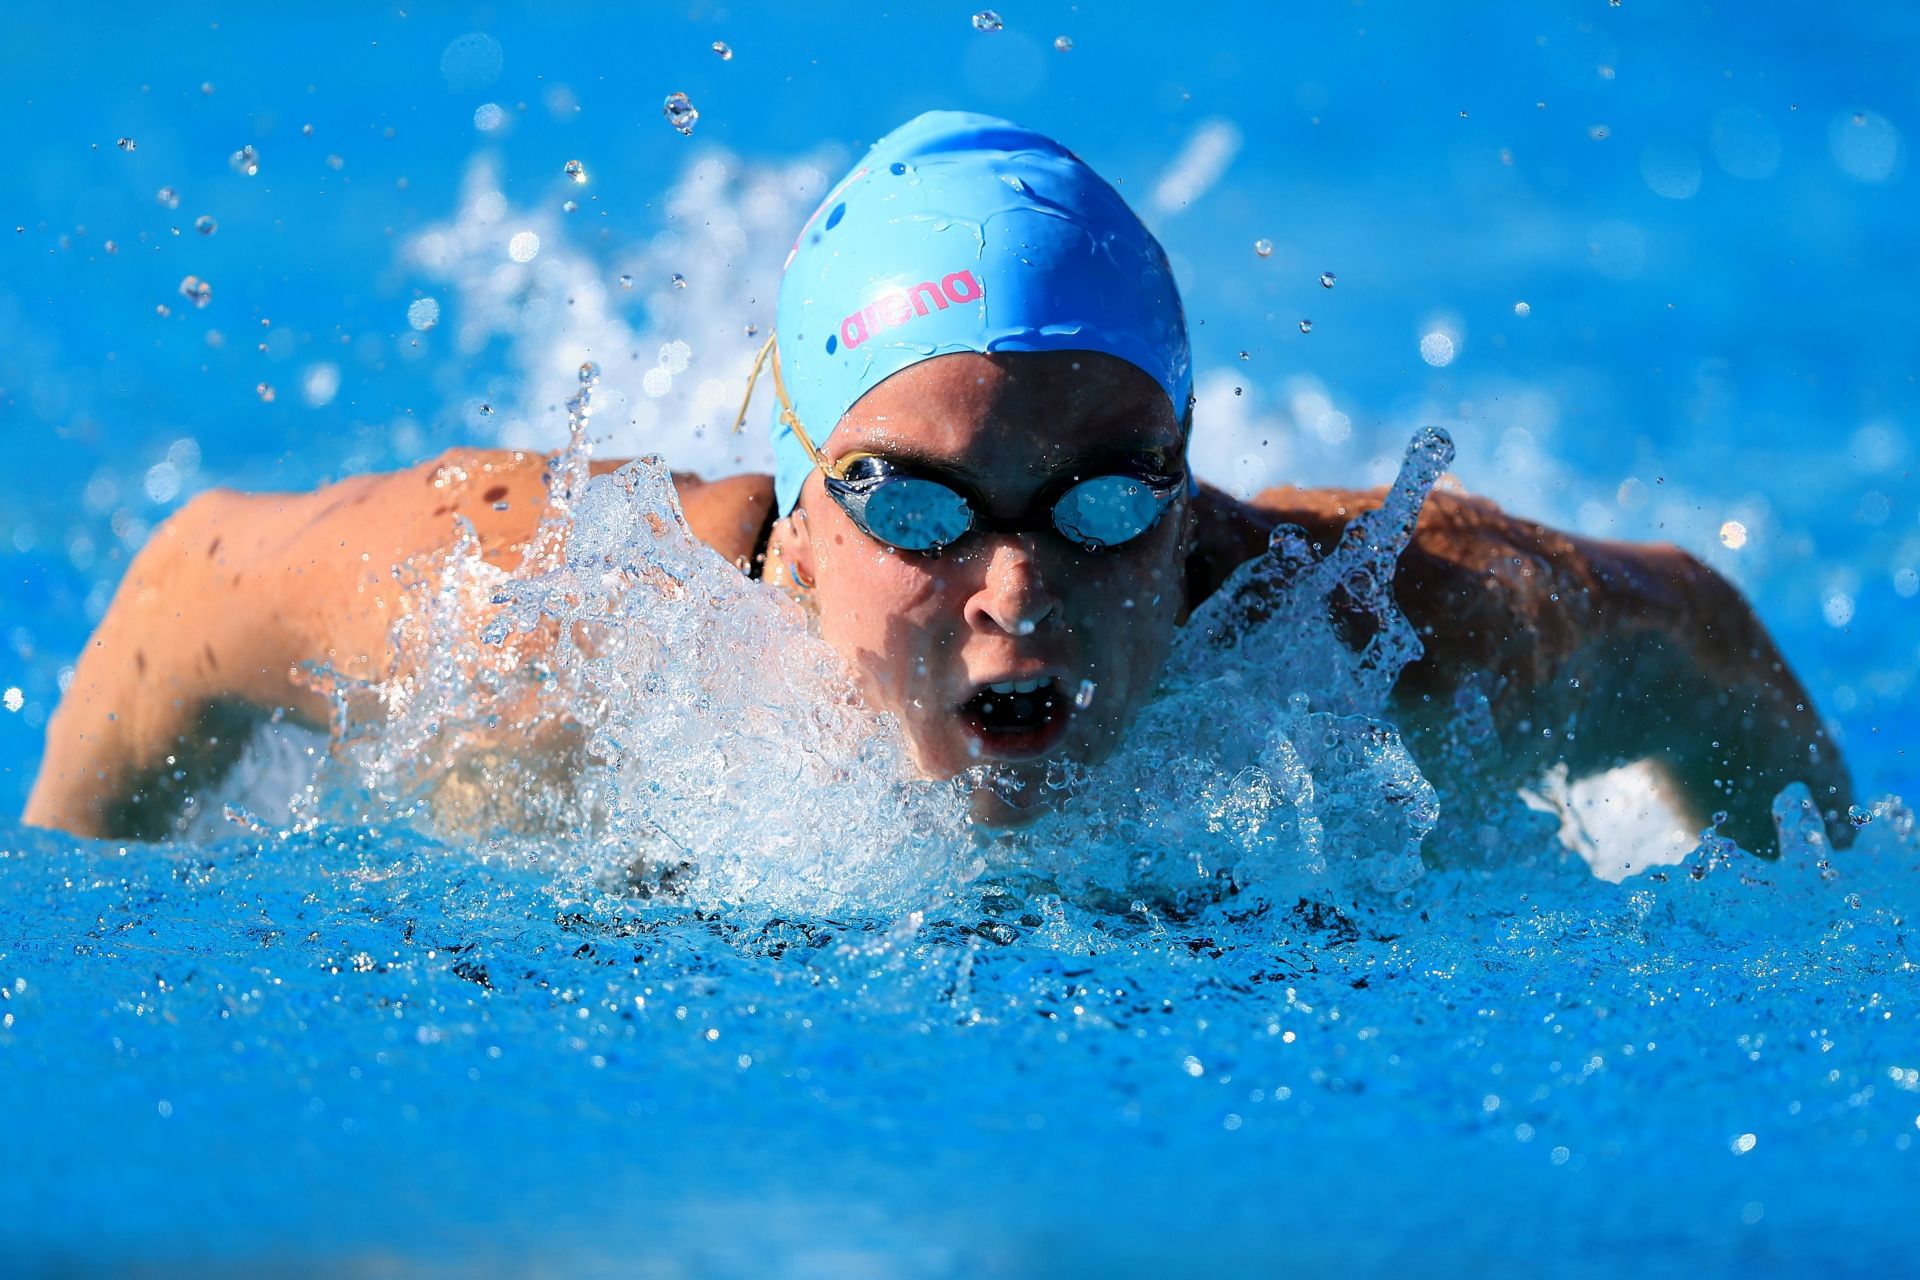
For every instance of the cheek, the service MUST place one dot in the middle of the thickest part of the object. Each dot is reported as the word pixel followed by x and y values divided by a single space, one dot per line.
pixel 880 612
pixel 1126 608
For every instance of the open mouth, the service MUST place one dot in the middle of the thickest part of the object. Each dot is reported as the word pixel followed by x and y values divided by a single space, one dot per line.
pixel 1013 718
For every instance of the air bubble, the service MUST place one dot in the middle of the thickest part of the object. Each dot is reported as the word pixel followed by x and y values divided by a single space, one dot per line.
pixel 1326 279
pixel 679 281
pixel 264 391
pixel 245 161
pixel 196 291
pixel 987 20
pixel 1306 326
pixel 1063 43
pixel 1858 817
pixel 577 171
pixel 725 50
pixel 205 225
pixel 168 198
pixel 626 282
pixel 1083 696
pixel 680 113
pixel 127 144
pixel 1264 248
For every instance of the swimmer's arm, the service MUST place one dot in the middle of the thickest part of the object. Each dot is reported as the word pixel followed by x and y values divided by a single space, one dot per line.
pixel 233 599
pixel 163 694
pixel 1591 653
pixel 224 610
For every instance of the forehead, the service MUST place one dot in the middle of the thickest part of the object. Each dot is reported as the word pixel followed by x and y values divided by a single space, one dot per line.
pixel 1018 409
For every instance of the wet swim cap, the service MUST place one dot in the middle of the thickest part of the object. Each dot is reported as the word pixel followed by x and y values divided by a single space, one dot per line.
pixel 960 232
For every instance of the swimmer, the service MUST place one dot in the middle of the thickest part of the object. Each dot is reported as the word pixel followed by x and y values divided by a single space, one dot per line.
pixel 982 398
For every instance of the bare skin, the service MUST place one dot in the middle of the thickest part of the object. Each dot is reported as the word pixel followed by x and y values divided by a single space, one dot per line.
pixel 1624 652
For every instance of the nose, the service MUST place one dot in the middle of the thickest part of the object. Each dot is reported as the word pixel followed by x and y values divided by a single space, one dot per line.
pixel 1013 595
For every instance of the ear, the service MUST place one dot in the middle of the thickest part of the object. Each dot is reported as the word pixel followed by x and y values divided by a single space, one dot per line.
pixel 792 544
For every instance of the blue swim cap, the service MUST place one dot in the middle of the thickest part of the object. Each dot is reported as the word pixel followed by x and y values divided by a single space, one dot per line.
pixel 960 232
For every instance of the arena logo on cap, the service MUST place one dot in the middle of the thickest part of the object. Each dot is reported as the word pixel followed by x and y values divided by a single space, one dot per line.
pixel 900 306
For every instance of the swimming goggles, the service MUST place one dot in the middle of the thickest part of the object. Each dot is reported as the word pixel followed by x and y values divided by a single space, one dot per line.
pixel 892 504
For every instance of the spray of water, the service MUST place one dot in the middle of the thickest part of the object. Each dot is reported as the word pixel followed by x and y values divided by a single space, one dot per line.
pixel 629 707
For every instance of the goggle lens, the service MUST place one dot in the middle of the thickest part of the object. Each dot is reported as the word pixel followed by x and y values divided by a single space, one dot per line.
pixel 1107 510
pixel 914 514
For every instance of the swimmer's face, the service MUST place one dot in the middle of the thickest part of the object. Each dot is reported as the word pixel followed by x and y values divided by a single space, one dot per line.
pixel 929 635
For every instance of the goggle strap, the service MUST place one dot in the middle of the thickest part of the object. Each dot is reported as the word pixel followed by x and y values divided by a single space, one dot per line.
pixel 753 378
pixel 787 416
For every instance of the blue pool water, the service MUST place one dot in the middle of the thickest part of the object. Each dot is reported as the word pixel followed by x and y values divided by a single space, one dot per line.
pixel 1647 266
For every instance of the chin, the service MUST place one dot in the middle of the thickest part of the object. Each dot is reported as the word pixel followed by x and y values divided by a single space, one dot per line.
pixel 999 807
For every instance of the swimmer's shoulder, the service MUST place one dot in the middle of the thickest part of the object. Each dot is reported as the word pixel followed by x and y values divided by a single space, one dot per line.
pixel 380 521
pixel 326 570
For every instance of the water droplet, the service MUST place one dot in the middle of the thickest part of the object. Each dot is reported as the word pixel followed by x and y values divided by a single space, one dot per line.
pixel 725 50
pixel 1063 43
pixel 576 171
pixel 1246 355
pixel 205 225
pixel 1599 133
pixel 680 113
pixel 1463 115
pixel 486 411
pixel 1263 247
pixel 264 391
pixel 127 144
pixel 196 290
pixel 626 282
pixel 306 131
pixel 1326 279
pixel 987 20
pixel 679 281
pixel 1437 348
pixel 589 373
pixel 245 161
pixel 1083 696
pixel 1239 391
pixel 168 198
pixel 752 329
pixel 569 207
pixel 1306 326
pixel 1522 309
